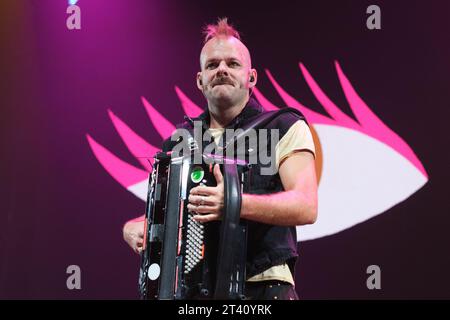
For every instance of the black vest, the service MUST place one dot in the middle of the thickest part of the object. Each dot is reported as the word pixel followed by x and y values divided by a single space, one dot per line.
pixel 267 245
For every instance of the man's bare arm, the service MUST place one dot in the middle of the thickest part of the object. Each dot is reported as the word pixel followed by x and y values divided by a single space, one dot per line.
pixel 297 205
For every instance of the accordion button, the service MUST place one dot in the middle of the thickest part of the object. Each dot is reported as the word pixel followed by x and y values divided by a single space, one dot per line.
pixel 153 271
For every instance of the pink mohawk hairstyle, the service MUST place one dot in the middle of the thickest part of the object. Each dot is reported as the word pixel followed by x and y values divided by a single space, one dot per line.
pixel 221 28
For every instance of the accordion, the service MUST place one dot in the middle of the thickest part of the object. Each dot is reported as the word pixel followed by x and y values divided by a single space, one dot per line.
pixel 183 258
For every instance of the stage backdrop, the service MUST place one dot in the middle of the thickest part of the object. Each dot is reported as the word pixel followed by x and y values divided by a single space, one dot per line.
pixel 91 88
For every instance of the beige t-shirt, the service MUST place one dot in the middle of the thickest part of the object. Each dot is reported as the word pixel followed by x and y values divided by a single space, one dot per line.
pixel 297 138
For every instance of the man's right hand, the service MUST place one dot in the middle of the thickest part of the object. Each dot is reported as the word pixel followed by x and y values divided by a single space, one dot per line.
pixel 133 233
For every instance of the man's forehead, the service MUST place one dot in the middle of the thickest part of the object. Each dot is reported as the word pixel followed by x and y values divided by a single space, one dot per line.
pixel 218 46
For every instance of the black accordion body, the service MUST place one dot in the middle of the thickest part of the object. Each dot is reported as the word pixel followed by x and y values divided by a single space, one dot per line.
pixel 185 259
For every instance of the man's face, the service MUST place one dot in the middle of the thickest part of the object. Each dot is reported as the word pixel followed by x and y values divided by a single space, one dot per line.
pixel 225 71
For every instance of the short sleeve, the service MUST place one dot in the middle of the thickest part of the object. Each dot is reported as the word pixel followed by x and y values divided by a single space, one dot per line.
pixel 297 138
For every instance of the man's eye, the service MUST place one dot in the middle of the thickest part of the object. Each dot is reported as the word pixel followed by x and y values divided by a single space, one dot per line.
pixel 211 66
pixel 234 64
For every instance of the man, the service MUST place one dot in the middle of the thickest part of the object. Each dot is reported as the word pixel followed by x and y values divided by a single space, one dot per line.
pixel 276 203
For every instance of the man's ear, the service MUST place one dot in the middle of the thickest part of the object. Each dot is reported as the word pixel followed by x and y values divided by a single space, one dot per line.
pixel 253 78
pixel 199 81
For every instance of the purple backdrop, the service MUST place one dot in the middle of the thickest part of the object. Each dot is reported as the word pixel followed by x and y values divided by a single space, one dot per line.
pixel 60 207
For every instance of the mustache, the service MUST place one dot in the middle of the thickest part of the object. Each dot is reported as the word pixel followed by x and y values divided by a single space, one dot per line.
pixel 222 80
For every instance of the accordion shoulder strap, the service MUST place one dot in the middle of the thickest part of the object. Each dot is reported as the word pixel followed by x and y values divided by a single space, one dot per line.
pixel 261 121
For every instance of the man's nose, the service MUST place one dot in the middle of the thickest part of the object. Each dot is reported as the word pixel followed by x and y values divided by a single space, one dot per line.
pixel 222 69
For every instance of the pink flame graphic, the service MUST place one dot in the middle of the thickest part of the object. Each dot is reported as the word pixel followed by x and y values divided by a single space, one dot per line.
pixel 367 123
